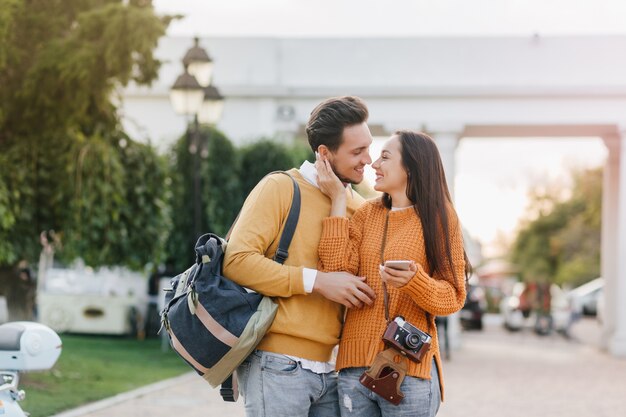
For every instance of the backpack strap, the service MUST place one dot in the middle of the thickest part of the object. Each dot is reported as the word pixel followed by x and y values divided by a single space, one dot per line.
pixel 282 252
pixel 229 390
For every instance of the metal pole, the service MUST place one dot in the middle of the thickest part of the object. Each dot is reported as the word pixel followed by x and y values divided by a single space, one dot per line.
pixel 197 215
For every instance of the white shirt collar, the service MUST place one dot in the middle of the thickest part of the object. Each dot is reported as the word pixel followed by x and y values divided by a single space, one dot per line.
pixel 309 173
pixel 400 208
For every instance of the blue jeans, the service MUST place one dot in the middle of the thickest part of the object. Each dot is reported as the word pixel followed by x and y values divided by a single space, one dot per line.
pixel 422 397
pixel 274 385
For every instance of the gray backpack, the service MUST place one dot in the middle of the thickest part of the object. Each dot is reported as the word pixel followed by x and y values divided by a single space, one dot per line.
pixel 214 323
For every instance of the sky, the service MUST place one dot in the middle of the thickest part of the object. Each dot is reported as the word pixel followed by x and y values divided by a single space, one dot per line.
pixel 494 177
pixel 520 163
pixel 323 18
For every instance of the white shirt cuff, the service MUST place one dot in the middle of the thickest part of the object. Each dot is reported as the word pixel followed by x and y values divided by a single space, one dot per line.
pixel 308 278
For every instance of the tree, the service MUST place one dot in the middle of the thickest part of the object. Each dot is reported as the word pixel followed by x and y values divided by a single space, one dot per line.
pixel 580 242
pixel 262 157
pixel 220 196
pixel 62 63
pixel 119 208
pixel 562 244
pixel 222 185
pixel 7 220
pixel 227 176
pixel 65 59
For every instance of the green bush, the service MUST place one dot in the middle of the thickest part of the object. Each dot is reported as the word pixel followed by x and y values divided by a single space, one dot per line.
pixel 260 158
pixel 227 175
pixel 217 163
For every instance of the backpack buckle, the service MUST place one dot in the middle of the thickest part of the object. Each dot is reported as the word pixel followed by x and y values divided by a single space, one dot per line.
pixel 228 394
pixel 281 255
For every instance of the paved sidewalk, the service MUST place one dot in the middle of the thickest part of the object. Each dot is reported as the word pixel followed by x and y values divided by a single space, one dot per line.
pixel 498 373
pixel 184 396
pixel 495 373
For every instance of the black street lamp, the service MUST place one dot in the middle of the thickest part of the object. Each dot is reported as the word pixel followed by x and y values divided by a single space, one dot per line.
pixel 193 95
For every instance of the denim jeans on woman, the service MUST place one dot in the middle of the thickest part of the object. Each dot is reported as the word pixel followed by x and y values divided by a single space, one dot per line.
pixel 422 397
pixel 274 385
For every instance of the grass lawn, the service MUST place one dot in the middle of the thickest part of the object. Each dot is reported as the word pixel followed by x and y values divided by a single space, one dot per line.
pixel 95 367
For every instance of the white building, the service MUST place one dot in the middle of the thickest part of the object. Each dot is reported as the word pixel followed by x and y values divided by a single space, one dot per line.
pixel 451 87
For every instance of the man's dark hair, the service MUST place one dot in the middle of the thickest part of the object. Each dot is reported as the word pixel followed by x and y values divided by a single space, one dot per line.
pixel 329 118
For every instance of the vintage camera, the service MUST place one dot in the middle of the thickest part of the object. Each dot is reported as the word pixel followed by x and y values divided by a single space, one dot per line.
pixel 406 338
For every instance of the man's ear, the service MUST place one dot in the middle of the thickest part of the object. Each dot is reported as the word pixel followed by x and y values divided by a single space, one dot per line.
pixel 323 151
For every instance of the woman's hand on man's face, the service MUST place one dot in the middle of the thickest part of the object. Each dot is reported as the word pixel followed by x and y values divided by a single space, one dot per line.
pixel 327 180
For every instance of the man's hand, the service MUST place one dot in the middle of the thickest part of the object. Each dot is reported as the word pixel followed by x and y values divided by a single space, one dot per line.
pixel 344 288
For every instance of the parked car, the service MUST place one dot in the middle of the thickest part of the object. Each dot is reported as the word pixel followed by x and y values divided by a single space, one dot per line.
pixel 475 306
pixel 110 300
pixel 584 299
pixel 517 315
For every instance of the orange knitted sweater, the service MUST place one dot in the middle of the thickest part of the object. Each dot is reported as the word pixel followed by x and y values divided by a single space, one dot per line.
pixel 354 246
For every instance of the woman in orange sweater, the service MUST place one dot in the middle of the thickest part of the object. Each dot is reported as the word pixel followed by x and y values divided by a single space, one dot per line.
pixel 414 220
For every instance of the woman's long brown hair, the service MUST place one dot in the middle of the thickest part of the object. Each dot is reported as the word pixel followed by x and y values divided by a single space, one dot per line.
pixel 427 189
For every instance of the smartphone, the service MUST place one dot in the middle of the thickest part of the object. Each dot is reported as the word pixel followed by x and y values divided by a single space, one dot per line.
pixel 401 265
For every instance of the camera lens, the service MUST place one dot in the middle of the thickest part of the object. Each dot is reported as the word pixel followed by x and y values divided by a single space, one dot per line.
pixel 413 340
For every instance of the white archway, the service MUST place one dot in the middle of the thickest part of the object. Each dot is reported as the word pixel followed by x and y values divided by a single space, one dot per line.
pixel 613 249
pixel 451 87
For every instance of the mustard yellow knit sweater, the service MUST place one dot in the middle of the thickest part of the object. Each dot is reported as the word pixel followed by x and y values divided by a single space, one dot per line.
pixel 306 325
pixel 354 246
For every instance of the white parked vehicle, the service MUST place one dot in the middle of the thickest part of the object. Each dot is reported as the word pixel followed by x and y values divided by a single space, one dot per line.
pixel 584 299
pixel 24 346
pixel 103 301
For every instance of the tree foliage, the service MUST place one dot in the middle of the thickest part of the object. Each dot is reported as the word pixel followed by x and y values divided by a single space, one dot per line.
pixel 222 185
pixel 227 176
pixel 65 58
pixel 262 157
pixel 61 64
pixel 119 207
pixel 562 245
pixel 7 220
pixel 216 161
pixel 67 165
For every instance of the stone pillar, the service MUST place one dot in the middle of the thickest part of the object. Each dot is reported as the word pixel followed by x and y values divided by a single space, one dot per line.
pixel 614 247
pixel 447 141
pixel 609 237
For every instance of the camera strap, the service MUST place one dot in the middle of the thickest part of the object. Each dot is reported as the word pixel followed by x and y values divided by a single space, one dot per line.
pixel 382 262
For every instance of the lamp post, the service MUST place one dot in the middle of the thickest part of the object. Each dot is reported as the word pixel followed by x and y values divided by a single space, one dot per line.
pixel 193 95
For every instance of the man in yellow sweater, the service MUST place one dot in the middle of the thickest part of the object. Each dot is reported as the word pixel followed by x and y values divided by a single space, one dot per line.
pixel 291 372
